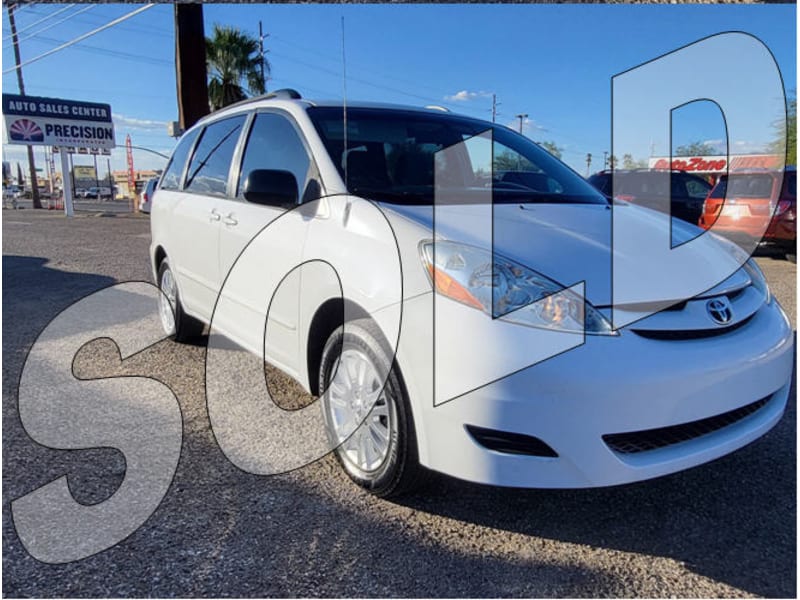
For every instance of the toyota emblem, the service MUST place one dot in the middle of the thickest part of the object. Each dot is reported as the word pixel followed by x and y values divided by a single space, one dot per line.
pixel 720 311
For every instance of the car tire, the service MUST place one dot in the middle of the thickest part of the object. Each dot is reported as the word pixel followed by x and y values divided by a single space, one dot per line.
pixel 184 327
pixel 395 470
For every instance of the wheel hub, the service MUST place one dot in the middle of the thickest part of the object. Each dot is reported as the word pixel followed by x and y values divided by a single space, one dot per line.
pixel 354 387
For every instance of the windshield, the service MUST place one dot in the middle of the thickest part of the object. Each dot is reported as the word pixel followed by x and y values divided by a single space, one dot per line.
pixel 390 156
pixel 744 186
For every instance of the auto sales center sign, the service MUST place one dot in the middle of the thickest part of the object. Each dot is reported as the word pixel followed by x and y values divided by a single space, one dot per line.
pixel 32 120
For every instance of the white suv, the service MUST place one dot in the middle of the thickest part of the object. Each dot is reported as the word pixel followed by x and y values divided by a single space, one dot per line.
pixel 352 203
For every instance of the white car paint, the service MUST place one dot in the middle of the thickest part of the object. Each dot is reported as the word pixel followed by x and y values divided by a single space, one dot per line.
pixel 608 385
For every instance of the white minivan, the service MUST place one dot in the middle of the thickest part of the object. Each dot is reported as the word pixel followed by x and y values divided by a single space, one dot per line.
pixel 667 392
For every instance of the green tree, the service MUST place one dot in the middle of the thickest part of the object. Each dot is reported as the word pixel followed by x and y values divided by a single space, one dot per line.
pixel 552 148
pixel 697 149
pixel 628 162
pixel 787 129
pixel 233 61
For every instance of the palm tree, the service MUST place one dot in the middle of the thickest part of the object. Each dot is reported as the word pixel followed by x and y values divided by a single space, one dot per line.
pixel 233 57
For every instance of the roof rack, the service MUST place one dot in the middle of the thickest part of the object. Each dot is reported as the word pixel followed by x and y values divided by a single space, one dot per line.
pixel 287 93
pixel 284 94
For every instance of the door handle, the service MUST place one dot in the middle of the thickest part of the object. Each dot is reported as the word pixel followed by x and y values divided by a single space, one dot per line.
pixel 230 219
pixel 215 216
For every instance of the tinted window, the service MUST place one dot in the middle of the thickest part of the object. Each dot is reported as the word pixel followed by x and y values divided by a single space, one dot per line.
pixel 211 162
pixel 789 186
pixel 744 186
pixel 172 175
pixel 697 188
pixel 601 182
pixel 273 143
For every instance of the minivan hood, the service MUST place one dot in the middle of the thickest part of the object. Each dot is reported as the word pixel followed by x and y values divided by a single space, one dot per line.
pixel 568 243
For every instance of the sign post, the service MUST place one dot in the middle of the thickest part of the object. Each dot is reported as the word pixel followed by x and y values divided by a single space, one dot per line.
pixel 131 174
pixel 66 183
pixel 36 121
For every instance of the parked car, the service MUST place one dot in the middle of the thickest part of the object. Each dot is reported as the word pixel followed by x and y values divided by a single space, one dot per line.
pixel 642 187
pixel 145 202
pixel 668 392
pixel 98 193
pixel 12 193
pixel 748 196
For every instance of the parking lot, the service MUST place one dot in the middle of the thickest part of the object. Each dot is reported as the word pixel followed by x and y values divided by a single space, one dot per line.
pixel 723 529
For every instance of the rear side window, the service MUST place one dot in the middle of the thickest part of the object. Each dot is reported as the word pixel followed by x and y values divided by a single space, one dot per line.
pixel 602 183
pixel 273 143
pixel 789 186
pixel 697 188
pixel 172 175
pixel 211 162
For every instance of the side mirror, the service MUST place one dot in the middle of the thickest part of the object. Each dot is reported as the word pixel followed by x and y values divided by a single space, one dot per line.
pixel 270 187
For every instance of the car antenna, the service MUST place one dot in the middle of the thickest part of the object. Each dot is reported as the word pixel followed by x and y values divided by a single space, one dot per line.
pixel 344 105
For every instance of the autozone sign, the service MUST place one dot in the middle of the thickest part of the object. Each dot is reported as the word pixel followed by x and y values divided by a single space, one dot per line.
pixel 32 120
pixel 717 164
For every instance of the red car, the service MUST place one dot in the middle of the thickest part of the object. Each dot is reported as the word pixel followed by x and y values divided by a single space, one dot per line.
pixel 753 194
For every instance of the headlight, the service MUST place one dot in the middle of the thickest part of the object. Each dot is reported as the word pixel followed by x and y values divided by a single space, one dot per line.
pixel 464 273
pixel 758 279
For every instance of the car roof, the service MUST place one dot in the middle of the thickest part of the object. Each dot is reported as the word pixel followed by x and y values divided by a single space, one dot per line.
pixel 289 99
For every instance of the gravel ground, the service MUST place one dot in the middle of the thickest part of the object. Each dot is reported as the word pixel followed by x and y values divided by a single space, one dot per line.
pixel 723 529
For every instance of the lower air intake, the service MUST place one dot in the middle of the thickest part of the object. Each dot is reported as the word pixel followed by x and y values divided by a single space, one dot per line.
pixel 652 439
pixel 510 443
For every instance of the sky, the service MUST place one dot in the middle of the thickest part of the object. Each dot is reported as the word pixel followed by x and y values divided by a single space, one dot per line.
pixel 552 62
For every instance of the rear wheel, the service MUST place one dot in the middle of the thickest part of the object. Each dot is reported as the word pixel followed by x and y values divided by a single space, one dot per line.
pixel 380 454
pixel 175 322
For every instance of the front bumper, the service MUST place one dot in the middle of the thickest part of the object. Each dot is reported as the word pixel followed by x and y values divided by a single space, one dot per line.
pixel 609 385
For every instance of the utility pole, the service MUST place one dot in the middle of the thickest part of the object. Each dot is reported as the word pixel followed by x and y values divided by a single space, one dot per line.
pixel 605 159
pixel 97 178
pixel 588 163
pixel 111 181
pixel 190 63
pixel 522 118
pixel 31 163
pixel 494 108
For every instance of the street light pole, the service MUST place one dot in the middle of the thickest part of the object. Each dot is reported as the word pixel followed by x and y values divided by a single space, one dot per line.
pixel 521 118
pixel 261 37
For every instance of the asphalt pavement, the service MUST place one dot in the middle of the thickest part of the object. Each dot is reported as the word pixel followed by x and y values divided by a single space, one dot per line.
pixel 727 528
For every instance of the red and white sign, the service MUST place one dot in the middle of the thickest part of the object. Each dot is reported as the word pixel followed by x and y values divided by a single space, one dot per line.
pixel 131 174
pixel 717 164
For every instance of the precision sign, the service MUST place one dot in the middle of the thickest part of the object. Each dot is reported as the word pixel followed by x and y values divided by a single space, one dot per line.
pixel 31 120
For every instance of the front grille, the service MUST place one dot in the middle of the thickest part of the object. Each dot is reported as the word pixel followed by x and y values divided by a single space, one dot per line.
pixel 508 442
pixel 689 334
pixel 652 439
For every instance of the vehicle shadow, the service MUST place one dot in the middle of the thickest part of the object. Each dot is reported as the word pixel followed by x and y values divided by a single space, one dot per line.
pixel 732 520
pixel 32 287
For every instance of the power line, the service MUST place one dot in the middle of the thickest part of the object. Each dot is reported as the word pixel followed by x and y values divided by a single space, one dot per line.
pixel 51 25
pixel 98 20
pixel 50 16
pixel 82 37
pixel 108 52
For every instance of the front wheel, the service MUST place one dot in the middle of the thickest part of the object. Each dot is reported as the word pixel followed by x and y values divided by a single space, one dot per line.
pixel 174 321
pixel 377 450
